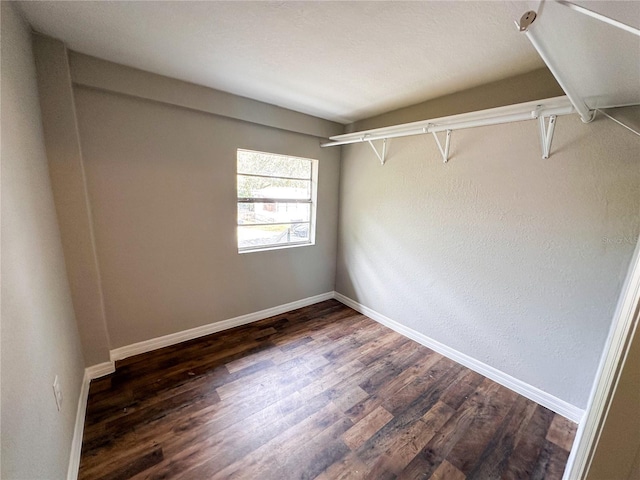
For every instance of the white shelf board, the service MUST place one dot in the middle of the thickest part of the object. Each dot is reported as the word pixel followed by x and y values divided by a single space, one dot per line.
pixel 597 61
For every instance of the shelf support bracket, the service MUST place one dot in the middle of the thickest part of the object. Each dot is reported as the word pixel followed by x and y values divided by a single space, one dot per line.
pixel 546 134
pixel 443 151
pixel 381 155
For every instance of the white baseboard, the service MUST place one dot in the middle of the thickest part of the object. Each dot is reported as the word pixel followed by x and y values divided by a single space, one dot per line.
pixel 90 373
pixel 183 336
pixel 100 370
pixel 529 391
pixel 78 429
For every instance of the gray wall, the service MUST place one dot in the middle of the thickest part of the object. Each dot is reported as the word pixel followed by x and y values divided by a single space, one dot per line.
pixel 39 334
pixel 70 195
pixel 513 260
pixel 161 185
pixel 526 87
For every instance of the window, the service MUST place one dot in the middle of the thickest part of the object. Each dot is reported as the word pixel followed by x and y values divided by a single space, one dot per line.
pixel 276 200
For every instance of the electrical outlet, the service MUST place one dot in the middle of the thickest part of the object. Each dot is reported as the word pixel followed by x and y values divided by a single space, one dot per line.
pixel 57 392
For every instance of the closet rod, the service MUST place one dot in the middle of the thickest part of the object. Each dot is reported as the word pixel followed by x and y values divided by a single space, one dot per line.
pixel 494 116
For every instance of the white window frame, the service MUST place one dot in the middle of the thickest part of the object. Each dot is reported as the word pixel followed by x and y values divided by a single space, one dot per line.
pixel 313 201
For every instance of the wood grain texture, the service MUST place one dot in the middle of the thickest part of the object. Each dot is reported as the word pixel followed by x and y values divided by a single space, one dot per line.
pixel 320 392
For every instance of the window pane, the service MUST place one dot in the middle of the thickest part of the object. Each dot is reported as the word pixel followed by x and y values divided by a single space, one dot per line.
pixel 264 187
pixel 259 163
pixel 275 200
pixel 266 235
pixel 273 212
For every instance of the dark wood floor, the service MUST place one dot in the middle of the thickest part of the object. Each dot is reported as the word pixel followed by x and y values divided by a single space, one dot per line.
pixel 321 392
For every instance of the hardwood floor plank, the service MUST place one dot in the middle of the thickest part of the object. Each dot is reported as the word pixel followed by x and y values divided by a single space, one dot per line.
pixel 491 462
pixel 401 369
pixel 257 377
pixel 139 465
pixel 446 471
pixel 315 456
pixel 522 462
pixel 272 355
pixel 561 432
pixel 365 428
pixel 347 346
pixel 379 471
pixel 430 382
pixel 349 398
pixel 269 456
pixel 333 378
pixel 320 392
pixel 397 384
pixel 472 448
pixel 348 468
pixel 435 452
pixel 361 376
pixel 551 463
pixel 199 455
pixel 461 389
pixel 384 438
pixel 201 417
pixel 413 439
pixel 396 343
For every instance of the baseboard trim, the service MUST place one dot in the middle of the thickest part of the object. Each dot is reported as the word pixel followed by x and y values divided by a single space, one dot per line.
pixel 171 339
pixel 100 370
pixel 529 391
pixel 90 373
pixel 78 429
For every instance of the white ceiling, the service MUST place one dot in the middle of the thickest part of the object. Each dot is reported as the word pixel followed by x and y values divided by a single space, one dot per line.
pixel 342 61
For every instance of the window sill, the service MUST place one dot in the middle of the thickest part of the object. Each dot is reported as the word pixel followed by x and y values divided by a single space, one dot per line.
pixel 276 247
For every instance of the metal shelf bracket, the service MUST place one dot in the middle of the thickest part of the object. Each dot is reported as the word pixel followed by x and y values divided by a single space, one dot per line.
pixel 546 134
pixel 381 155
pixel 443 151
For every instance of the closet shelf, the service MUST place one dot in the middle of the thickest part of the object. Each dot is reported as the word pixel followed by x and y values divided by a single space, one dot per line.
pixel 594 56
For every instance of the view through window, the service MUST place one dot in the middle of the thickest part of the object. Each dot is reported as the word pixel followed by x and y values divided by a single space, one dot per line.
pixel 276 200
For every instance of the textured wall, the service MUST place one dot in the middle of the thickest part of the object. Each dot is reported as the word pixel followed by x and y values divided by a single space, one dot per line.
pixel 513 260
pixel 39 334
pixel 162 187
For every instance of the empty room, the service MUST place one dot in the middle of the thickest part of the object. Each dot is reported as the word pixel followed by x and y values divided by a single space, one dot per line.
pixel 320 240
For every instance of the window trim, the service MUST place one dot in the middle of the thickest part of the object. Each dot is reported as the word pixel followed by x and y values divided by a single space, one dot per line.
pixel 312 201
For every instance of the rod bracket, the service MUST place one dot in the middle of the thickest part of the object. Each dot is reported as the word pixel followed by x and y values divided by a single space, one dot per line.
pixel 546 134
pixel 381 155
pixel 443 151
